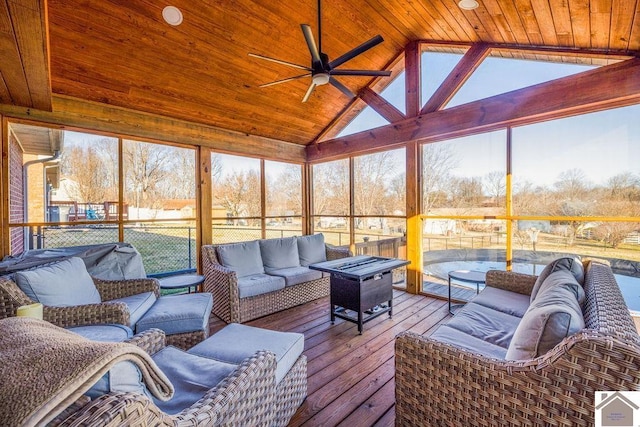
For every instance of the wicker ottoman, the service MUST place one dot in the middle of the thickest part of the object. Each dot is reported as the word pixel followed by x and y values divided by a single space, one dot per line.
pixel 235 342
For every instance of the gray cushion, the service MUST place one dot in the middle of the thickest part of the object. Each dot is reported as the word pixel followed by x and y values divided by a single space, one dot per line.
pixel 279 253
pixel 311 249
pixel 192 376
pixel 105 333
pixel 566 279
pixel 502 300
pixel 138 305
pixel 61 284
pixel 259 284
pixel 552 316
pixel 572 264
pixel 295 275
pixel 123 377
pixel 243 258
pixel 176 314
pixel 467 342
pixel 236 342
pixel 484 323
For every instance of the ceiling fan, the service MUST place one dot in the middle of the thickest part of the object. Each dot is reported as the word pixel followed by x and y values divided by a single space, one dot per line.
pixel 322 71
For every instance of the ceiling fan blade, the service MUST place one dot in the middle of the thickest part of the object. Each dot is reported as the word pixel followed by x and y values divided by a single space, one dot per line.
pixel 277 82
pixel 356 51
pixel 311 43
pixel 342 87
pixel 372 73
pixel 308 94
pixel 279 61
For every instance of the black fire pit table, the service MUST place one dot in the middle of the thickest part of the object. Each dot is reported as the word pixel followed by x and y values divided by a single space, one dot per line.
pixel 360 287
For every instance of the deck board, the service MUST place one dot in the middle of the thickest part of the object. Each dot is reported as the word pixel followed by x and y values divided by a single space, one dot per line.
pixel 351 376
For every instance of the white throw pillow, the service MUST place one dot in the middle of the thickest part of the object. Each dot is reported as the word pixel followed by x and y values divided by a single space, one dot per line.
pixel 62 284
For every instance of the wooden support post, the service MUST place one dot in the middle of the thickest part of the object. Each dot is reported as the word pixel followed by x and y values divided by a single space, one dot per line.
pixel 414 221
pixel 412 67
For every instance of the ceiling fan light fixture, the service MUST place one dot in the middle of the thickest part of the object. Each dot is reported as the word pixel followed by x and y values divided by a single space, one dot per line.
pixel 320 79
pixel 172 15
pixel 468 4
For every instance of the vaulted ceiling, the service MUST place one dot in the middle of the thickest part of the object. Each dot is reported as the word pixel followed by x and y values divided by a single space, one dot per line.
pixel 122 53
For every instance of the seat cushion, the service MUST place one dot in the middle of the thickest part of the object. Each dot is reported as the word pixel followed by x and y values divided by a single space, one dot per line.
pixel 502 300
pixel 123 377
pixel 105 333
pixel 467 342
pixel 554 315
pixel 236 342
pixel 492 326
pixel 61 284
pixel 311 249
pixel 279 253
pixel 176 314
pixel 138 305
pixel 259 284
pixel 244 258
pixel 295 275
pixel 571 264
pixel 191 375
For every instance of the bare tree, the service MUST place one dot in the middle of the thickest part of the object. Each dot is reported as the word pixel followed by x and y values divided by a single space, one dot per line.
pixel 239 192
pixel 92 173
pixel 437 162
pixel 285 193
pixel 495 186
pixel 146 166
pixel 331 188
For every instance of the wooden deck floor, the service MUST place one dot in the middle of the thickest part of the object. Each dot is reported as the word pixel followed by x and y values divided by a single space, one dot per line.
pixel 351 376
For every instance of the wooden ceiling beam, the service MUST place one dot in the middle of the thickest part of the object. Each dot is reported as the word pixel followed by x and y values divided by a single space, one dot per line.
pixel 381 106
pixel 457 77
pixel 605 87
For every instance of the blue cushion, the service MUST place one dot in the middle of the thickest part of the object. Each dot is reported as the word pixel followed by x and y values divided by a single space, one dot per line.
pixel 468 342
pixel 504 301
pixel 279 253
pixel 484 323
pixel 235 342
pixel 295 275
pixel 176 314
pixel 123 377
pixel 243 258
pixel 192 376
pixel 311 249
pixel 259 284
pixel 138 305
pixel 62 284
pixel 108 333
pixel 571 264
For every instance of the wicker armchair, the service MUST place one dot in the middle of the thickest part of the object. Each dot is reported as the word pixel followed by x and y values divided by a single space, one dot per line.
pixel 227 304
pixel 440 384
pixel 12 297
pixel 245 397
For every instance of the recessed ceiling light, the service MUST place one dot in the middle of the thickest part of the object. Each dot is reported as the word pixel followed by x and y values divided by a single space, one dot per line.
pixel 172 15
pixel 468 4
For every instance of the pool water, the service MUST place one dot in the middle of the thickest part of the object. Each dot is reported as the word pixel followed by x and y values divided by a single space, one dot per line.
pixel 629 286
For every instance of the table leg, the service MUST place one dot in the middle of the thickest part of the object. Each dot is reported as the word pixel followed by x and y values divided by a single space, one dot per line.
pixel 360 322
pixel 333 314
pixel 390 307
pixel 450 312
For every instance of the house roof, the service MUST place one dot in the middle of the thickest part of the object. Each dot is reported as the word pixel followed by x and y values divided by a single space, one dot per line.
pixel 123 53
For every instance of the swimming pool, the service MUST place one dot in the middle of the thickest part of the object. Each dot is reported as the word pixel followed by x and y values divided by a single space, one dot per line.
pixel 629 286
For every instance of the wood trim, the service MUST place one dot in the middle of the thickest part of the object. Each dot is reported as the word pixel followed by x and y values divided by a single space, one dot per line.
pixel 352 206
pixel 606 87
pixel 204 232
pixel 412 78
pixel 457 77
pixel 381 106
pixel 5 240
pixel 263 200
pixel 307 200
pixel 414 221
pixel 73 112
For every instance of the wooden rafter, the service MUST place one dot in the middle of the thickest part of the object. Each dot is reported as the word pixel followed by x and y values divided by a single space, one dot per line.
pixel 457 77
pixel 381 106
pixel 606 87
pixel 412 61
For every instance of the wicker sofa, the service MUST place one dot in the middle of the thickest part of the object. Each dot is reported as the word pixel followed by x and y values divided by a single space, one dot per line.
pixel 444 383
pixel 227 276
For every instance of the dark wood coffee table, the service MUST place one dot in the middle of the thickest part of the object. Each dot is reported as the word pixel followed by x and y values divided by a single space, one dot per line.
pixel 360 284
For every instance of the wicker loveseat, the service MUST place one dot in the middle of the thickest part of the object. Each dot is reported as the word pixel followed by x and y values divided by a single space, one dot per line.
pixel 224 278
pixel 442 383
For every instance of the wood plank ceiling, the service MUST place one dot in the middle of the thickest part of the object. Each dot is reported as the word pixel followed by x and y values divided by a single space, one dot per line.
pixel 121 52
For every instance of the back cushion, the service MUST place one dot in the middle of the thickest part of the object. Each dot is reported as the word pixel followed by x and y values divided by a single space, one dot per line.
pixel 311 249
pixel 571 264
pixel 566 279
pixel 243 258
pixel 279 253
pixel 62 284
pixel 553 315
